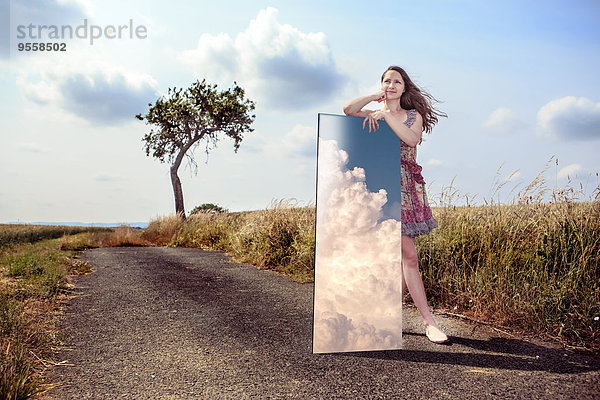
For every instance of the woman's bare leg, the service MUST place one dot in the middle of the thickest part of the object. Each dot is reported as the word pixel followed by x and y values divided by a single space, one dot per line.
pixel 412 279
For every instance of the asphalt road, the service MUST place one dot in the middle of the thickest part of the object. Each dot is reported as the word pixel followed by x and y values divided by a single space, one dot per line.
pixel 173 323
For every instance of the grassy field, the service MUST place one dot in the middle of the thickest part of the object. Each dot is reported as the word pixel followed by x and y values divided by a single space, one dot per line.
pixel 529 267
pixel 24 233
pixel 35 262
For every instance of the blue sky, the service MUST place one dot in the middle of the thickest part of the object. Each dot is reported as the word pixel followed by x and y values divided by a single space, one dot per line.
pixel 518 81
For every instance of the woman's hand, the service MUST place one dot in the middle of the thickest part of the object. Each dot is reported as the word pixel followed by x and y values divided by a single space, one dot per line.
pixel 379 96
pixel 373 119
pixel 355 107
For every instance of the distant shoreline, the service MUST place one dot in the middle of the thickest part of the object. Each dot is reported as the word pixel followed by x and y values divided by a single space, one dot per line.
pixel 141 225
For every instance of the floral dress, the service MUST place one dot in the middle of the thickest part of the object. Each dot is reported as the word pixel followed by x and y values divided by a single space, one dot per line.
pixel 416 214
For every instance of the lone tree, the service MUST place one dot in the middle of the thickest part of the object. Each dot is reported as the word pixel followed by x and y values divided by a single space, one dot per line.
pixel 184 118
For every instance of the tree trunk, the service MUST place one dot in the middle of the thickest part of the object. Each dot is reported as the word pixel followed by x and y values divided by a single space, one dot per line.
pixel 177 191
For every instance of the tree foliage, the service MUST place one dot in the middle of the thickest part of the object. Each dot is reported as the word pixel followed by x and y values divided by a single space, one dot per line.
pixel 201 111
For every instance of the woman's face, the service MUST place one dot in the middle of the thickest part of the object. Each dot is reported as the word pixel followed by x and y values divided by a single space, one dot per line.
pixel 392 84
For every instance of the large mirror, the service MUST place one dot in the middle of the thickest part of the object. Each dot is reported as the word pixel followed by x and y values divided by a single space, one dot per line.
pixel 358 272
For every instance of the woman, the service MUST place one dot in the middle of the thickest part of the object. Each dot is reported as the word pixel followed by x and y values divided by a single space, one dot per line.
pixel 408 111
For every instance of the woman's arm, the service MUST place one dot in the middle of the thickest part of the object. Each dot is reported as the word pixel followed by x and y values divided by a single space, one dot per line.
pixel 355 107
pixel 411 136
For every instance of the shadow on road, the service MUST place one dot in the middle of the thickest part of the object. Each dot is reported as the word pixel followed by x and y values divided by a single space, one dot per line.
pixel 495 353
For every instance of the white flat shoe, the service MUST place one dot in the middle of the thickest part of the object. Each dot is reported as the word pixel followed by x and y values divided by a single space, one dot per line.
pixel 435 335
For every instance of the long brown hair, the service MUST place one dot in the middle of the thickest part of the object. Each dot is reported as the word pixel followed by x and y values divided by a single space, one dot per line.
pixel 417 98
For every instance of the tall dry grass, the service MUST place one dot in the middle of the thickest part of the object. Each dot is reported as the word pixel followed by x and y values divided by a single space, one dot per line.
pixel 161 230
pixel 115 237
pixel 533 264
pixel 281 237
pixel 529 266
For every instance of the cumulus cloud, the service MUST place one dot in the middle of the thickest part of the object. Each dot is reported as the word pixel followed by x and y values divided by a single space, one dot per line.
pixel 279 65
pixel 503 119
pixel 569 171
pixel 96 92
pixel 107 99
pixel 358 299
pixel 41 92
pixel 570 118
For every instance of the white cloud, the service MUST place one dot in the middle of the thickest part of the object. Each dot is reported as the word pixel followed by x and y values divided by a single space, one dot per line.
pixel 569 171
pixel 278 65
pixel 358 301
pixel 88 88
pixel 215 57
pixel 570 118
pixel 107 98
pixel 503 119
pixel 42 92
pixel 337 333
